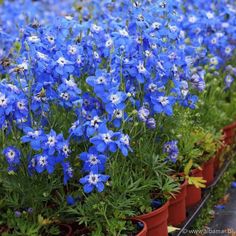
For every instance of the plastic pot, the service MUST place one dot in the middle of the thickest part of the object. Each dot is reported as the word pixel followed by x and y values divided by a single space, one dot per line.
pixel 143 232
pixel 208 171
pixel 3 229
pixel 194 194
pixel 218 157
pixel 66 229
pixel 177 207
pixel 156 221
pixel 229 133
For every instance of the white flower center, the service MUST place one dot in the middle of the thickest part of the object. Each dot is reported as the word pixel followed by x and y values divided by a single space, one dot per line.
pixel 152 87
pixel 33 38
pixel 95 121
pixel 66 149
pixel 163 100
pixel 118 113
pixel 106 137
pixel 96 28
pixel 21 105
pixel 101 80
pixel 3 100
pixel 72 49
pixel 93 159
pixel 51 141
pixel 96 56
pixel 93 179
pixel 123 32
pixel 114 98
pixel 210 15
pixel 61 61
pixel 11 154
pixel 108 43
pixel 51 39
pixel 43 161
pixel 42 56
pixel 65 96
pixel 79 59
pixel 141 68
pixel 156 25
pixel 192 19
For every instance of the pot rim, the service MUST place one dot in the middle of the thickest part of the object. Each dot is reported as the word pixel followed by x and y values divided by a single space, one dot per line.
pixel 144 229
pixel 182 193
pixel 69 233
pixel 155 212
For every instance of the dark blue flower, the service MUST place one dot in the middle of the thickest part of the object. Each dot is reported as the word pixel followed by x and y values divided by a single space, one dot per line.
pixel 70 200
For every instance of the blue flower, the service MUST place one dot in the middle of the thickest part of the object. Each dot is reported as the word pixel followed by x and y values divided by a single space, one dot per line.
pixel 94 181
pixel 143 114
pixel 162 103
pixel 34 137
pixel 170 146
pixel 17 214
pixel 44 162
pixel 49 142
pixel 68 172
pixel 63 66
pixel 92 124
pixel 12 155
pixel 114 100
pixel 63 146
pixel 190 101
pixel 21 108
pixel 93 161
pixel 228 81
pixel 198 82
pixel 105 140
pixel 70 200
pixel 151 123
pixel 124 144
pixel 172 150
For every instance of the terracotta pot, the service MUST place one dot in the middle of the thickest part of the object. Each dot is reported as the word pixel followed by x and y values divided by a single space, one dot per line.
pixel 208 171
pixel 143 232
pixel 194 194
pixel 66 229
pixel 177 207
pixel 156 221
pixel 229 133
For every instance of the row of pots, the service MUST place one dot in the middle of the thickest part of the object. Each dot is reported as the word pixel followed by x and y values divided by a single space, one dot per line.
pixel 173 212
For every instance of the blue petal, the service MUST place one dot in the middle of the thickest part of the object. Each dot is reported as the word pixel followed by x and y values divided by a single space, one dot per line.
pixel 100 186
pixel 88 188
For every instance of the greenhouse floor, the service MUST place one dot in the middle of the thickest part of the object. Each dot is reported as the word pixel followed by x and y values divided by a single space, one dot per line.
pixel 224 222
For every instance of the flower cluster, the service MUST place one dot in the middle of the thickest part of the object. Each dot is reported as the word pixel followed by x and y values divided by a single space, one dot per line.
pixel 123 60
